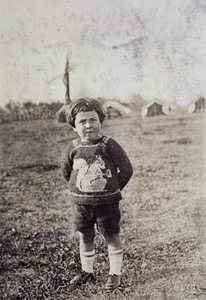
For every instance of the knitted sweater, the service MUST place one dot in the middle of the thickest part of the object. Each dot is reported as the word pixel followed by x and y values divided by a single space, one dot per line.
pixel 96 171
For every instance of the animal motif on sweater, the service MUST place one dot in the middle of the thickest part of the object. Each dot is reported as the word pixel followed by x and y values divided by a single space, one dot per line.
pixel 91 178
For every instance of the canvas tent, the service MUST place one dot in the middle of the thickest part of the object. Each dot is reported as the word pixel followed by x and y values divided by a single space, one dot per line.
pixel 196 105
pixel 115 109
pixel 61 114
pixel 155 108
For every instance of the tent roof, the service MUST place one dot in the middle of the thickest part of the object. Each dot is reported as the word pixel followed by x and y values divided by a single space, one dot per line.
pixel 118 106
pixel 62 109
pixel 195 100
pixel 156 101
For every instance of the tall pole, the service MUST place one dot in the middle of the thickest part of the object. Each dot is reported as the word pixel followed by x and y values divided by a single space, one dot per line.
pixel 66 81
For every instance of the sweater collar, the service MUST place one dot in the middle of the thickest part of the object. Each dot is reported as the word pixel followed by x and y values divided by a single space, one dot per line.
pixel 88 143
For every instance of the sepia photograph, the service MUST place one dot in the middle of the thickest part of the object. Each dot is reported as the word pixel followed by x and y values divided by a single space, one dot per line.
pixel 102 150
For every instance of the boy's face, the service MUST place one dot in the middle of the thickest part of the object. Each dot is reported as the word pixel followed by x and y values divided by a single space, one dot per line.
pixel 87 125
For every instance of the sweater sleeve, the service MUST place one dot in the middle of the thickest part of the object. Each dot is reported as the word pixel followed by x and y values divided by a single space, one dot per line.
pixel 66 163
pixel 121 161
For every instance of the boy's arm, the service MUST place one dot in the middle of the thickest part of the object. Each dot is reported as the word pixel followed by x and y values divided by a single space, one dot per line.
pixel 121 161
pixel 66 164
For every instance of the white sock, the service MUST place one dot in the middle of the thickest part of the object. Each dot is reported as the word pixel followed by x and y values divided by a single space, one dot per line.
pixel 115 260
pixel 87 260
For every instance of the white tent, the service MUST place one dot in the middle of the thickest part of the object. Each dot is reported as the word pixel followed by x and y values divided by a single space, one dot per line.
pixel 117 106
pixel 61 114
pixel 154 108
pixel 198 104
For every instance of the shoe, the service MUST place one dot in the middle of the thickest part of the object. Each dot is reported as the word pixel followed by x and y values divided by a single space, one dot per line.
pixel 113 282
pixel 82 278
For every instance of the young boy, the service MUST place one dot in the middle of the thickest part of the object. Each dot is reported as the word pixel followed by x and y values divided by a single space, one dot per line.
pixel 97 169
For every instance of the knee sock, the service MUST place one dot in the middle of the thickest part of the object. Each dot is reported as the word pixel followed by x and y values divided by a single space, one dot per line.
pixel 115 260
pixel 87 260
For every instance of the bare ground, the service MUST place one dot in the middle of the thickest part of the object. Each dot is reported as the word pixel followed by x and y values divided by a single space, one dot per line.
pixel 163 212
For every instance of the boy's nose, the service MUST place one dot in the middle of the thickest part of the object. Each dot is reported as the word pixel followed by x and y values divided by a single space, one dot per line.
pixel 88 125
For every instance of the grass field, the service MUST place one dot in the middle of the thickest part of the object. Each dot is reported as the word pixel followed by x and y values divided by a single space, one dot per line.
pixel 163 212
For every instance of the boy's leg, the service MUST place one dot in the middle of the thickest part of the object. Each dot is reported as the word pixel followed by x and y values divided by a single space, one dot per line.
pixel 115 259
pixel 115 252
pixel 86 246
pixel 108 224
pixel 86 240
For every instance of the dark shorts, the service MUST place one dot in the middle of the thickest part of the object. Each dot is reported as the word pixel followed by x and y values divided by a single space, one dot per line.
pixel 105 216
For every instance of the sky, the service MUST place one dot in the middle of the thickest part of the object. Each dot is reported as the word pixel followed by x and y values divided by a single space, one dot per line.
pixel 117 50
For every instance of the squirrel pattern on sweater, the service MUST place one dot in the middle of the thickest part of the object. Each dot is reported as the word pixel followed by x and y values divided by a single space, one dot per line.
pixel 91 177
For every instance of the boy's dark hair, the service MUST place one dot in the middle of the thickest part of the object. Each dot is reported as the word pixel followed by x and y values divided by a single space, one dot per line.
pixel 84 104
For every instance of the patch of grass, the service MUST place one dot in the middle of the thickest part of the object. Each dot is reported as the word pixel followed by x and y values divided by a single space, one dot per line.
pixel 161 225
pixel 184 140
